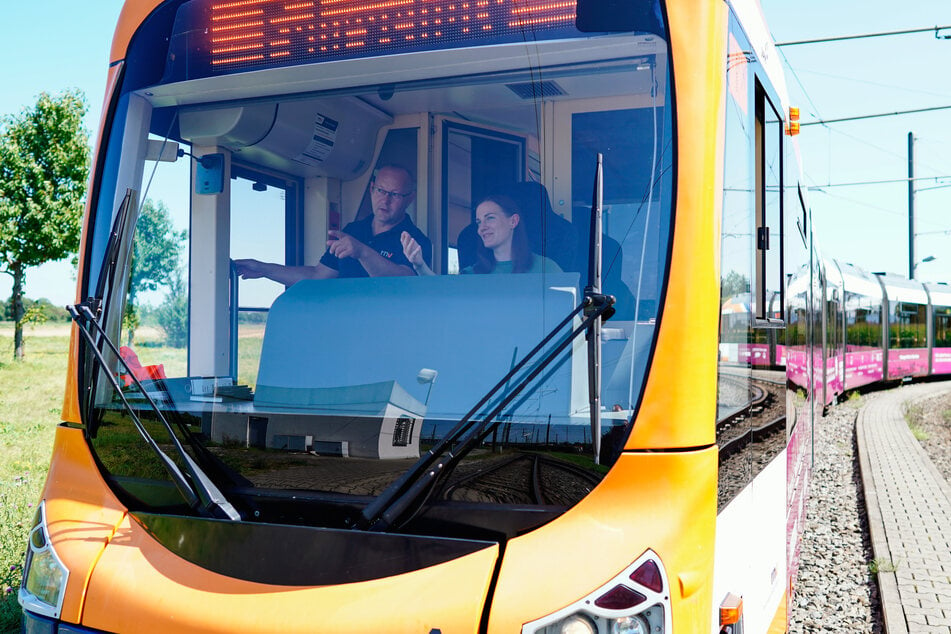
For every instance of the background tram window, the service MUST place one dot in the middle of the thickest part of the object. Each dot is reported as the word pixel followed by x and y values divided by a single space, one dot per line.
pixel 908 327
pixel 942 327
pixel 858 333
pixel 863 322
pixel 769 182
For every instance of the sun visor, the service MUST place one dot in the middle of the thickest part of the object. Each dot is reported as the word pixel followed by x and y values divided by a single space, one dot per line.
pixel 232 128
pixel 314 137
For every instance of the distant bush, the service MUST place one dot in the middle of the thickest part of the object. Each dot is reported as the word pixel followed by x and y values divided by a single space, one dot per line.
pixel 252 317
pixel 37 310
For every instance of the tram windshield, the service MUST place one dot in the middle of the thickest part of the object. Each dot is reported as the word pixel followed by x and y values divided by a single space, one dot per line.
pixel 333 262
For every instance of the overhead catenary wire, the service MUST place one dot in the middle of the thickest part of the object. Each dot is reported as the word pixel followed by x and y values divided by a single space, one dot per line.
pixel 862 203
pixel 823 188
pixel 859 36
pixel 894 113
pixel 805 93
pixel 884 181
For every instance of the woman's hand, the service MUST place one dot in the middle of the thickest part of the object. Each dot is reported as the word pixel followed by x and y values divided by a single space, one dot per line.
pixel 412 250
pixel 414 253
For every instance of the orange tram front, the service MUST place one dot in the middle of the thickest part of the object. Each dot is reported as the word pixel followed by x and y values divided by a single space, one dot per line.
pixel 439 346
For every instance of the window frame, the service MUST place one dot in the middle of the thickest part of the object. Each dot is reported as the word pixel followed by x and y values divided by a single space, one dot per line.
pixel 763 243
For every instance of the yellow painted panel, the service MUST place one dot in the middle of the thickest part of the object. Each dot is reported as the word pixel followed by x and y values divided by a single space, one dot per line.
pixel 679 405
pixel 662 501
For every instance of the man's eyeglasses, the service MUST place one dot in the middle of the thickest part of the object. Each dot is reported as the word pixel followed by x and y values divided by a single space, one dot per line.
pixel 379 191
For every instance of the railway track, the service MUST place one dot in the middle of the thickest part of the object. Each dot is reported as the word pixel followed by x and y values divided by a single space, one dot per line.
pixel 749 436
pixel 524 478
pixel 727 413
pixel 734 433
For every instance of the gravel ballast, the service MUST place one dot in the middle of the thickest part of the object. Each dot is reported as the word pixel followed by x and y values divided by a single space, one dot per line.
pixel 837 589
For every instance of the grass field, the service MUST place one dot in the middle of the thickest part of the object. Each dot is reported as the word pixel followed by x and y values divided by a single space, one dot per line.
pixel 31 396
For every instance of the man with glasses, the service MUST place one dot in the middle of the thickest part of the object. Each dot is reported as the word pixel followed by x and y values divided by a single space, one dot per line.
pixel 369 247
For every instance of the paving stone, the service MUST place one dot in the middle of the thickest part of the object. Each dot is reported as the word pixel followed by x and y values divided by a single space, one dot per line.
pixel 909 509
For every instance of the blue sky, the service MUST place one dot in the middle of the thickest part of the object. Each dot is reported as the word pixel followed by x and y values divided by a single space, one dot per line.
pixel 52 46
pixel 868 224
pixel 61 44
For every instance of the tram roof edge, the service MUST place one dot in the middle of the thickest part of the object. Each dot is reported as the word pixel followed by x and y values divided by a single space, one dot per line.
pixel 131 16
pixel 750 14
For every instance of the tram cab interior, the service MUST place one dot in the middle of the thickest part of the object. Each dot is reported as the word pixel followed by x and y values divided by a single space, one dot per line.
pixel 378 369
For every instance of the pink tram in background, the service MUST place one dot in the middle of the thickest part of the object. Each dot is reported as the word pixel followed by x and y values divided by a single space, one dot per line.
pixel 875 327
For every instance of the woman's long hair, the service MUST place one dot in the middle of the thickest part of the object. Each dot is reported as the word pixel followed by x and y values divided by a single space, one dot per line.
pixel 521 251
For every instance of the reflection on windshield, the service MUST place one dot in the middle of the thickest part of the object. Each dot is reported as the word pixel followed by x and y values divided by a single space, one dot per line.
pixel 335 310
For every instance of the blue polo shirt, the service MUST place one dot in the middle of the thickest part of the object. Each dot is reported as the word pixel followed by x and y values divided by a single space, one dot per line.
pixel 386 244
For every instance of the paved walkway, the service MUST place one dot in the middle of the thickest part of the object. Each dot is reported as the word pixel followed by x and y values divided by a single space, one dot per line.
pixel 909 512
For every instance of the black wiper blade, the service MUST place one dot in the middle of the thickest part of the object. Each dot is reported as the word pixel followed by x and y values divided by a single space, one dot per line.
pixel 412 488
pixel 373 511
pixel 106 281
pixel 198 490
pixel 593 290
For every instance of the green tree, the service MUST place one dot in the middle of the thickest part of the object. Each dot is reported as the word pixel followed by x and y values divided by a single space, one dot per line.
pixel 156 251
pixel 733 284
pixel 44 164
pixel 172 315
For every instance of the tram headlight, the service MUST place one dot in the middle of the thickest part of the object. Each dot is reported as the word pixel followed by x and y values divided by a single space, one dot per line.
pixel 44 576
pixel 574 624
pixel 581 623
pixel 630 625
pixel 634 601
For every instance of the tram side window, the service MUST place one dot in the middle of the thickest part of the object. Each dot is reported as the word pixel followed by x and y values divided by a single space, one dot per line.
pixel 738 181
pixel 858 333
pixel 908 328
pixel 942 327
pixel 769 236
pixel 478 162
pixel 262 211
pixel 632 190
pixel 737 269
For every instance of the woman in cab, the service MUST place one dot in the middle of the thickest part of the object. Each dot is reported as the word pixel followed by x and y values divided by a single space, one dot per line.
pixel 504 248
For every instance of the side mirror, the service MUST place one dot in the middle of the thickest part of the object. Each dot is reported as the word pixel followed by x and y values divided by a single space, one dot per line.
pixel 161 150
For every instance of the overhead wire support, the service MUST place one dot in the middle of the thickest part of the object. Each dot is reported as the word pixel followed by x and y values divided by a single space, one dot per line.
pixel 822 40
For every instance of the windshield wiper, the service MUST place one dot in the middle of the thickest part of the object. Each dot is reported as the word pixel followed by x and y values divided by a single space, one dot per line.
pixel 391 505
pixel 593 289
pixel 408 493
pixel 198 490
